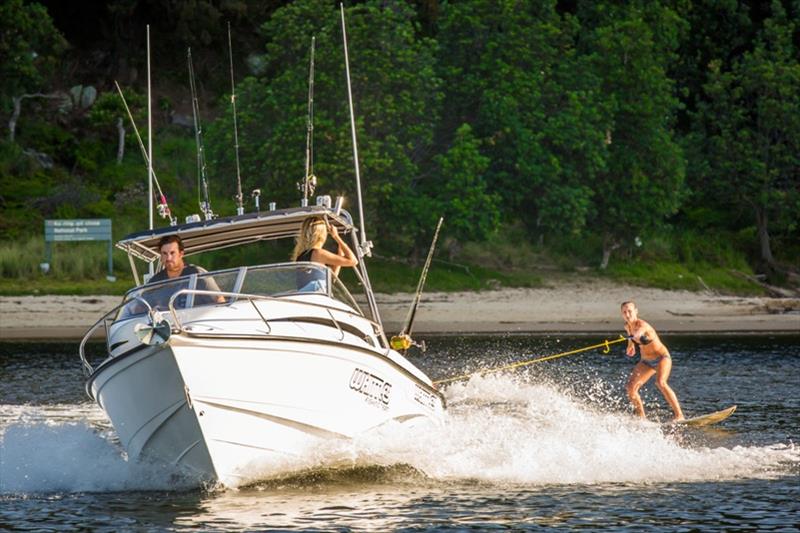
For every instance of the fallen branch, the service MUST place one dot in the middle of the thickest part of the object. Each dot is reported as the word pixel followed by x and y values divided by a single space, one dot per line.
pixel 775 292
pixel 706 287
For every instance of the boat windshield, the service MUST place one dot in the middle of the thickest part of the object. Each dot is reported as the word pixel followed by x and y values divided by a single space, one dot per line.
pixel 267 280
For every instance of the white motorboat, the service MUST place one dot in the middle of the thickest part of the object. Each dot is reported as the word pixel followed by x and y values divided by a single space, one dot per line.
pixel 240 374
pixel 233 375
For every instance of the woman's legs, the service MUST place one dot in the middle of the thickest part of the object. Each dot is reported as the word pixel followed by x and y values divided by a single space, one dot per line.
pixel 641 373
pixel 662 375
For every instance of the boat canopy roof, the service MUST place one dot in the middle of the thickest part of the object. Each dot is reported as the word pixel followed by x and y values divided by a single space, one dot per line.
pixel 225 232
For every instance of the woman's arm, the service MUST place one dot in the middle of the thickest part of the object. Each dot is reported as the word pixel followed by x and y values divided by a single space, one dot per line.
pixel 630 349
pixel 345 256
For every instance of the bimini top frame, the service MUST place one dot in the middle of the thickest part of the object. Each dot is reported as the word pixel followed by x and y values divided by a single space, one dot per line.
pixel 219 233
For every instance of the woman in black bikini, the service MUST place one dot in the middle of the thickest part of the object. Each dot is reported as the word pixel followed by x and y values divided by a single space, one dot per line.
pixel 308 247
pixel 654 360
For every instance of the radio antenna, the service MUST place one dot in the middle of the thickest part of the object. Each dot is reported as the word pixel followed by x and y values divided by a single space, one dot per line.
pixel 149 140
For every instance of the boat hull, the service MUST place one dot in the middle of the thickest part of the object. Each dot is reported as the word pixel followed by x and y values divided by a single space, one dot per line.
pixel 235 410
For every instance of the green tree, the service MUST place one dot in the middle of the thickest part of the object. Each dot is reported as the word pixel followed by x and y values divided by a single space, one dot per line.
pixel 396 99
pixel 511 70
pixel 29 48
pixel 472 213
pixel 750 122
pixel 643 182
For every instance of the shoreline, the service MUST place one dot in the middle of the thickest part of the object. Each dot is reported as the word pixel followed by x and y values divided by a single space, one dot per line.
pixel 70 335
pixel 589 307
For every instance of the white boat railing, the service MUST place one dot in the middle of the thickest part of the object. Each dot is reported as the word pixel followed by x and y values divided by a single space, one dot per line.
pixel 105 320
pixel 187 295
pixel 251 298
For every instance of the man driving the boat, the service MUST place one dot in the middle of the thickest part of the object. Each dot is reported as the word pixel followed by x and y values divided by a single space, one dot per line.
pixel 171 249
pixel 309 247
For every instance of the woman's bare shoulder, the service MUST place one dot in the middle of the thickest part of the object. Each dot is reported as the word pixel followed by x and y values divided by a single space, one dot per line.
pixel 645 324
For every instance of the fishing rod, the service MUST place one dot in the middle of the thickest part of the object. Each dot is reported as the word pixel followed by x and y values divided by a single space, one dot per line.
pixel 163 206
pixel 239 198
pixel 202 180
pixel 310 180
pixel 403 341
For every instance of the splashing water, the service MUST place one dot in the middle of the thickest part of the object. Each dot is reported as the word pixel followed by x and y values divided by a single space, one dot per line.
pixel 501 429
pixel 42 453
pixel 498 429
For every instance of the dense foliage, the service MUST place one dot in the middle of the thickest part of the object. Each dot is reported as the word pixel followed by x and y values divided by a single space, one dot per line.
pixel 598 129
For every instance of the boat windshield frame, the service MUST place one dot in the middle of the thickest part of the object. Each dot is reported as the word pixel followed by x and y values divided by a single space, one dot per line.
pixel 332 287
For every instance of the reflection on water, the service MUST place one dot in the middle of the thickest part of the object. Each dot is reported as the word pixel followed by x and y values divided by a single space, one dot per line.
pixel 550 445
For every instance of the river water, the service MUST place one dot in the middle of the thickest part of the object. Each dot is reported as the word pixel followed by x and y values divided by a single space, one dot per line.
pixel 548 446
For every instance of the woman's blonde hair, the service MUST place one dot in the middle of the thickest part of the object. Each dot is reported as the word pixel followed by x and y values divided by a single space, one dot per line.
pixel 313 234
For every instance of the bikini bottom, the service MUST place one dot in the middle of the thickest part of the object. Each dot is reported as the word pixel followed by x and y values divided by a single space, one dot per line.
pixel 653 363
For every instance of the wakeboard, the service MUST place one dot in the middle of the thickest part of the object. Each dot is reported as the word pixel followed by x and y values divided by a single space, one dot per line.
pixel 708 419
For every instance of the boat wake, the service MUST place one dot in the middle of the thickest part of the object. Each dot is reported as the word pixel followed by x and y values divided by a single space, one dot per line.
pixel 504 430
pixel 498 429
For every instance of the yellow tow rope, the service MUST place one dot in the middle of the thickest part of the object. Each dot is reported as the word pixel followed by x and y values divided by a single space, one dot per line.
pixel 605 345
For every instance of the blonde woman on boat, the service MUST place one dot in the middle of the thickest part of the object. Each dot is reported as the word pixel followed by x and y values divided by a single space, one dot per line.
pixel 309 247
pixel 654 360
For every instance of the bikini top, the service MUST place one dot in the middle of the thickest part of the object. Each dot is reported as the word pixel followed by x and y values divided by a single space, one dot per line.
pixel 644 340
pixel 305 256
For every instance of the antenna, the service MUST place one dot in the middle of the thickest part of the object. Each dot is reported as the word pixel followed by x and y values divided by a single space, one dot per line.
pixel 239 199
pixel 149 141
pixel 150 268
pixel 202 181
pixel 364 245
pixel 308 186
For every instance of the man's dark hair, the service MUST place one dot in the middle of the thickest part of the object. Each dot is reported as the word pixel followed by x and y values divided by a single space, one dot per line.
pixel 166 239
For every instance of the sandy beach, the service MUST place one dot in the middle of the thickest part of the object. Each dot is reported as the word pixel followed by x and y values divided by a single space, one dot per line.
pixel 582 306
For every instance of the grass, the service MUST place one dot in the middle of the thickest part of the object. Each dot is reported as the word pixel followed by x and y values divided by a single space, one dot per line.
pixel 75 268
pixel 687 260
pixel 678 276
pixel 393 275
pixel 41 285
pixel 509 260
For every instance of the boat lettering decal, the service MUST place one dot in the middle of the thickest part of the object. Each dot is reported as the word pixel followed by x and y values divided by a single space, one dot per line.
pixel 371 386
pixel 424 398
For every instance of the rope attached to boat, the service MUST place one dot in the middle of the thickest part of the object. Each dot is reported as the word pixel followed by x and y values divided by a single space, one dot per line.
pixel 605 345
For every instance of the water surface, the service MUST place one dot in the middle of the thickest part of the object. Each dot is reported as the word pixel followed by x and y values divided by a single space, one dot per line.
pixel 549 445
